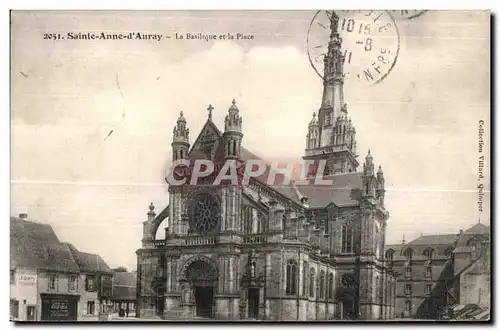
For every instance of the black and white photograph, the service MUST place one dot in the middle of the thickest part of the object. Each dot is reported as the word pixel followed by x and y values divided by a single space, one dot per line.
pixel 328 165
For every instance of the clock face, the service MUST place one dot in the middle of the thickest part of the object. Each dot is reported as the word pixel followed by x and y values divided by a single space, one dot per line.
pixel 370 43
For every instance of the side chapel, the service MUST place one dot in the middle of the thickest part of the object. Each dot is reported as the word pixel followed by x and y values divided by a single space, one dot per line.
pixel 281 252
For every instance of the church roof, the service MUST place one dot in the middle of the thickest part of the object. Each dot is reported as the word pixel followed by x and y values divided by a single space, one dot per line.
pixel 35 245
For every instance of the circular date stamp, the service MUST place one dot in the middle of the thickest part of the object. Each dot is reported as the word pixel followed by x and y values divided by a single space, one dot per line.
pixel 369 42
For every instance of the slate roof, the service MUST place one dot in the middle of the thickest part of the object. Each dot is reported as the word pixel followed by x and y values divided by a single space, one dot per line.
pixel 124 286
pixel 431 240
pixel 35 245
pixel 88 262
pixel 478 229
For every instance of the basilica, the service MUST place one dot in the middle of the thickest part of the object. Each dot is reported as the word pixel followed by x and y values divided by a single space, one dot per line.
pixel 272 252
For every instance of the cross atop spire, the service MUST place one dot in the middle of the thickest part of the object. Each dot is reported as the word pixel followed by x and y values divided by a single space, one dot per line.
pixel 210 108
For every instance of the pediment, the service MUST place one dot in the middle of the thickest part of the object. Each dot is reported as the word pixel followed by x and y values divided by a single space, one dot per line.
pixel 208 141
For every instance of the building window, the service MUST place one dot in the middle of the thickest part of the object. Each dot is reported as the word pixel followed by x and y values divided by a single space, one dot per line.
pixel 90 307
pixel 53 282
pixel 72 283
pixel 328 118
pixel 90 283
pixel 330 286
pixel 12 276
pixel 347 235
pixel 311 283
pixel 408 272
pixel 408 288
pixel 305 270
pixel 322 285
pixel 428 272
pixel 428 253
pixel 408 308
pixel 291 277
pixel 428 288
pixel 409 253
pixel 389 255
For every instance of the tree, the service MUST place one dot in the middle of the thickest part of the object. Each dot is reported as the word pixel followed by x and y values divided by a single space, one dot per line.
pixel 119 269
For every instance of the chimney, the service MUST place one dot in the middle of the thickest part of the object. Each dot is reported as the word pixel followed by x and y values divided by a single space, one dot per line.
pixel 23 216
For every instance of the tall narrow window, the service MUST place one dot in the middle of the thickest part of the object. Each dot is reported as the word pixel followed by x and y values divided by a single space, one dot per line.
pixel 322 285
pixel 12 276
pixel 72 283
pixel 408 272
pixel 330 286
pixel 428 289
pixel 312 283
pixel 408 289
pixel 53 282
pixel 305 270
pixel 291 277
pixel 328 118
pixel 428 272
pixel 408 308
pixel 347 238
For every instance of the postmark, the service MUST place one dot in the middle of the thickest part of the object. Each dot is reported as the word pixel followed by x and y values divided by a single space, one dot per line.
pixel 370 43
pixel 407 14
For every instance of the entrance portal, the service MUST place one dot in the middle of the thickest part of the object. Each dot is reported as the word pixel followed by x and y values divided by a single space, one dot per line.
pixel 253 303
pixel 204 297
pixel 202 277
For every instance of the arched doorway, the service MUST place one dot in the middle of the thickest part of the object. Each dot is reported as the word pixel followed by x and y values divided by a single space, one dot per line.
pixel 202 278
pixel 346 297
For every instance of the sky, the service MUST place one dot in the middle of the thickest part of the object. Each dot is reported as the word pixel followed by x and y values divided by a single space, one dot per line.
pixel 420 122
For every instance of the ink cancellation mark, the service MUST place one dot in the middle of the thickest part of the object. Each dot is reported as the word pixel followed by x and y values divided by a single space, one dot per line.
pixel 407 14
pixel 370 43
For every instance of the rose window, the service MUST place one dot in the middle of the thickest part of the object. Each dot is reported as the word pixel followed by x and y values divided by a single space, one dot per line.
pixel 203 213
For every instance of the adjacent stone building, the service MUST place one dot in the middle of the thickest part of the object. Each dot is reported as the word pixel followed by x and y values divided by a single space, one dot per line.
pixel 271 252
pixel 438 272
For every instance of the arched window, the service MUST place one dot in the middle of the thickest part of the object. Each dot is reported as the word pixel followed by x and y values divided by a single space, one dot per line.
pixel 330 286
pixel 409 253
pixel 347 238
pixel 408 308
pixel 305 270
pixel 322 285
pixel 428 253
pixel 291 277
pixel 312 282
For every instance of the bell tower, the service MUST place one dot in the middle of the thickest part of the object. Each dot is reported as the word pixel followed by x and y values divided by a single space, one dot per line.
pixel 331 136
pixel 180 141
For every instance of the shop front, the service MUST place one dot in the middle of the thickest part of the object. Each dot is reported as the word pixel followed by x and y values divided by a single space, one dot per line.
pixel 59 307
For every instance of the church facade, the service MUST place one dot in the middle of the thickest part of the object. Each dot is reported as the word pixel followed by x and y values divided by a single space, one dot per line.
pixel 271 252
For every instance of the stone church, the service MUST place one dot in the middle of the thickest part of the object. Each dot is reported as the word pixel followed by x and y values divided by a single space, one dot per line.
pixel 272 252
